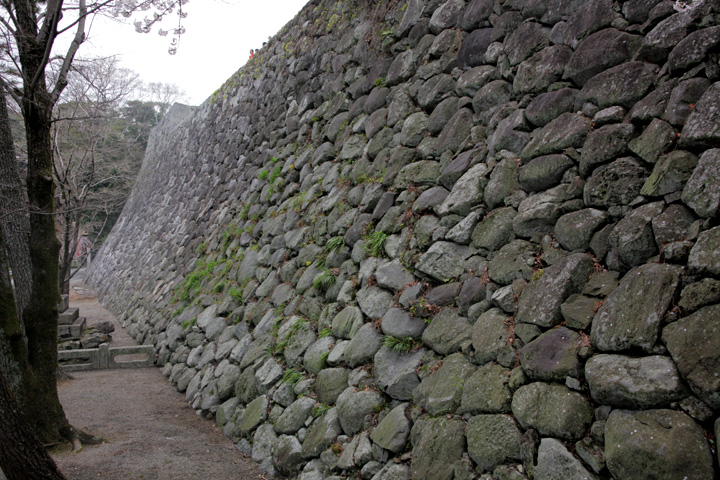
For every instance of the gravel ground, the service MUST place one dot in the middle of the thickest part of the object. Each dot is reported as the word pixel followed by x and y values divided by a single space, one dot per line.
pixel 150 432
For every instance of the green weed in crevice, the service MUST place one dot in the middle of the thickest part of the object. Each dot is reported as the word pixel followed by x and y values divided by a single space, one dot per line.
pixel 275 174
pixel 374 244
pixel 400 344
pixel 188 324
pixel 292 376
pixel 321 409
pixel 335 244
pixel 324 280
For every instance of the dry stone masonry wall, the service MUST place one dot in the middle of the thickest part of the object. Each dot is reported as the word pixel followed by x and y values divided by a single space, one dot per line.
pixel 445 239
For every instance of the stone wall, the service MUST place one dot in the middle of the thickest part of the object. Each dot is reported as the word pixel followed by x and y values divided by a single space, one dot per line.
pixel 444 239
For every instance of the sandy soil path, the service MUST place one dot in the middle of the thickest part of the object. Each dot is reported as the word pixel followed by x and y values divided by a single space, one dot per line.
pixel 150 432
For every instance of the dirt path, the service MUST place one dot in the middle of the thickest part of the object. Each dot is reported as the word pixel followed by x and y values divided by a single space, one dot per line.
pixel 151 432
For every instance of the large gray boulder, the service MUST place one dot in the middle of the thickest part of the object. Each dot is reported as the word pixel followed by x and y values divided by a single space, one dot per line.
pixel 543 172
pixel 542 69
pixel 467 191
pixel 574 230
pixel 552 356
pixel 553 410
pixel 512 262
pixel 703 257
pixel 599 51
pixel 321 434
pixel 605 144
pixel 693 342
pixel 395 372
pixel 448 332
pixel 374 301
pixel 637 383
pixel 363 346
pixel 702 128
pixel 254 414
pixel 398 323
pixel 632 313
pixel 443 261
pixel 555 462
pixel 617 183
pixel 657 139
pixel 671 173
pixel 494 231
pixel 622 85
pixel 393 276
pixel 693 49
pixel 665 443
pixel 316 354
pixel 347 322
pixel 441 391
pixel 548 106
pixel 331 382
pixel 568 130
pixel 287 455
pixel 525 40
pixel 540 301
pixel 437 445
pixel 393 431
pixel 487 391
pixel 492 440
pixel 295 416
pixel 353 406
pixel 490 335
pixel 702 190
pixel 631 242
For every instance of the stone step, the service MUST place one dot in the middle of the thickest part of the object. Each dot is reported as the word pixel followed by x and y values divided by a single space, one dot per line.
pixel 69 316
pixel 64 303
pixel 75 330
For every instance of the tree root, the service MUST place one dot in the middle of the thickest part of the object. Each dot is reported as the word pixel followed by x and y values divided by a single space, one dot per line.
pixel 81 437
pixel 77 439
pixel 61 374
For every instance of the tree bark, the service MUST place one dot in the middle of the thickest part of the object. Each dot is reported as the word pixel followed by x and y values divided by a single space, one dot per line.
pixel 13 351
pixel 14 221
pixel 67 252
pixel 22 456
pixel 41 315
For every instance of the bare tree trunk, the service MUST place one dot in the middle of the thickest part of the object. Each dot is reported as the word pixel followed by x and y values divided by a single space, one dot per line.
pixel 41 315
pixel 22 456
pixel 67 251
pixel 14 221
pixel 13 351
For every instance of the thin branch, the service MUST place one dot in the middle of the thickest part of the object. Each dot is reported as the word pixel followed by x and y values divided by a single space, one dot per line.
pixel 47 36
pixel 72 50
pixel 89 11
pixel 9 91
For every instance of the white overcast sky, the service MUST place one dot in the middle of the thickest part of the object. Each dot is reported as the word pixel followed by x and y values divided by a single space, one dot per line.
pixel 219 35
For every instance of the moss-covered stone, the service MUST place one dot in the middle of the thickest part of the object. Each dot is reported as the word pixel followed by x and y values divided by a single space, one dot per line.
pixel 553 410
pixel 637 442
pixel 440 443
pixel 255 413
pixel 441 392
pixel 393 431
pixel 493 439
